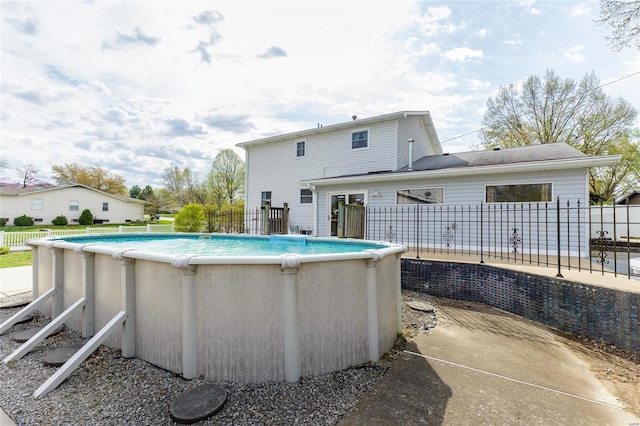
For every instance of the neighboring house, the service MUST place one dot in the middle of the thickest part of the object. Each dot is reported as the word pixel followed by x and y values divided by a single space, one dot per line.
pixel 372 161
pixel 633 197
pixel 45 203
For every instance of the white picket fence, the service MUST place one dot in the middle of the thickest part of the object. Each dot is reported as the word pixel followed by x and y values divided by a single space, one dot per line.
pixel 15 240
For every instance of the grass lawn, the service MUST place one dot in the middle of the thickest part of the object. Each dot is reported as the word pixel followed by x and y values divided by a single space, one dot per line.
pixel 15 258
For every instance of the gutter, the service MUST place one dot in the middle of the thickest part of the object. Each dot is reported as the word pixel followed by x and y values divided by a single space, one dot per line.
pixel 573 163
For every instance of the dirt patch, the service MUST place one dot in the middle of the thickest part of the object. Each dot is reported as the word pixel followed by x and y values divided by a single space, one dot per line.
pixel 618 370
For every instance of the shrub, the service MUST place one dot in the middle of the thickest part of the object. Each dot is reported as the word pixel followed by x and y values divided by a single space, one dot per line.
pixel 86 218
pixel 60 221
pixel 23 220
pixel 3 222
pixel 190 219
pixel 4 250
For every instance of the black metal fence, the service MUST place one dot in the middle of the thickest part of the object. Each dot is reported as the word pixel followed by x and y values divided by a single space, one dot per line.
pixel 559 234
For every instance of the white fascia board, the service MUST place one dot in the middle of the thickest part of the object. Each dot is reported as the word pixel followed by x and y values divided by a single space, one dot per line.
pixel 333 127
pixel 574 163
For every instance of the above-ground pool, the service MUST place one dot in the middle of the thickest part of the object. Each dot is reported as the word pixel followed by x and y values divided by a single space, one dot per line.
pixel 291 307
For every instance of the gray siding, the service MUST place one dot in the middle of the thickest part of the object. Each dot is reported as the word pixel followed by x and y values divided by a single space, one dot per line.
pixel 274 166
pixel 413 127
pixel 462 190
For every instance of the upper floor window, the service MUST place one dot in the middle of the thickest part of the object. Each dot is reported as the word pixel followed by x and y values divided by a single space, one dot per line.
pixel 265 198
pixel 306 196
pixel 301 149
pixel 360 139
pixel 105 207
pixel 74 206
pixel 529 192
pixel 420 196
pixel 37 204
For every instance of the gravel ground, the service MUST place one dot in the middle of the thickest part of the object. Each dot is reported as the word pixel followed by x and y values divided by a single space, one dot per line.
pixel 110 390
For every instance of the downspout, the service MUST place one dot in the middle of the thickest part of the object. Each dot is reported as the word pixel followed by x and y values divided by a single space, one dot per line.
pixel 315 209
pixel 410 168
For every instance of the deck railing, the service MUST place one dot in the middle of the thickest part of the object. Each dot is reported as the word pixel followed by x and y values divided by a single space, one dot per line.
pixel 555 234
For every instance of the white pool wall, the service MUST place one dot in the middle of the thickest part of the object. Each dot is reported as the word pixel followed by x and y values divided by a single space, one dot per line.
pixel 240 327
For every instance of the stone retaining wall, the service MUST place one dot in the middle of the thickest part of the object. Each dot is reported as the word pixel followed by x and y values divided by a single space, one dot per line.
pixel 602 314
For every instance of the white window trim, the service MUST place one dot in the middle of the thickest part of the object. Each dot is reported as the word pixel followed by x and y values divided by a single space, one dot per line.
pixel 41 204
pixel 266 190
pixel 103 206
pixel 77 204
pixel 313 199
pixel 484 194
pixel 444 195
pixel 364 129
pixel 305 148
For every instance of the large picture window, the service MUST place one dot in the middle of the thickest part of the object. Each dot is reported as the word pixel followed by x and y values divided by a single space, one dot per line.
pixel 420 196
pixel 529 192
pixel 360 139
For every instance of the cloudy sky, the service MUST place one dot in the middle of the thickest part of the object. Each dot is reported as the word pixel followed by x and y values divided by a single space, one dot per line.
pixel 136 86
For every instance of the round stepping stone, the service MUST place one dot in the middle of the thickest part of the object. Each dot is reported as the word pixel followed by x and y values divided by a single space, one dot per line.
pixel 19 299
pixel 26 318
pixel 421 306
pixel 59 356
pixel 198 403
pixel 23 336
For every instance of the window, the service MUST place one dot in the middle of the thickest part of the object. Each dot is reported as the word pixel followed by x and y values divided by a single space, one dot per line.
pixel 301 149
pixel 360 139
pixel 306 196
pixel 265 198
pixel 105 207
pixel 420 196
pixel 37 204
pixel 74 206
pixel 530 192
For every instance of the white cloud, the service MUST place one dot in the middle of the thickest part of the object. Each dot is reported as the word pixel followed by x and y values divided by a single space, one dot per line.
pixel 431 24
pixel 574 54
pixel 483 32
pixel 580 9
pixel 462 54
pixel 529 7
pixel 515 40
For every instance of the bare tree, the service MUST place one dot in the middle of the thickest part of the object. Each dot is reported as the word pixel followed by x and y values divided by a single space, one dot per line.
pixel 552 109
pixel 180 184
pixel 92 176
pixel 226 177
pixel 623 17
pixel 28 175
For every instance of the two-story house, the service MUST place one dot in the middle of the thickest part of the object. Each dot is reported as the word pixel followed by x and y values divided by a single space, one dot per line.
pixel 397 159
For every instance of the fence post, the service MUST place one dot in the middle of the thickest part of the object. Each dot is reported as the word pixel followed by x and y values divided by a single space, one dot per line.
pixel 559 275
pixel 340 217
pixel 148 228
pixel 120 229
pixel 1 238
pixel 481 232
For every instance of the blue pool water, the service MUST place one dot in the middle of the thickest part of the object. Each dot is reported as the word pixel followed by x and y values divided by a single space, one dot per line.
pixel 224 245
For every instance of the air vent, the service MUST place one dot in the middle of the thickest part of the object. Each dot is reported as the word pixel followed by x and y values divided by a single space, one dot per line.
pixel 497 148
pixel 446 153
